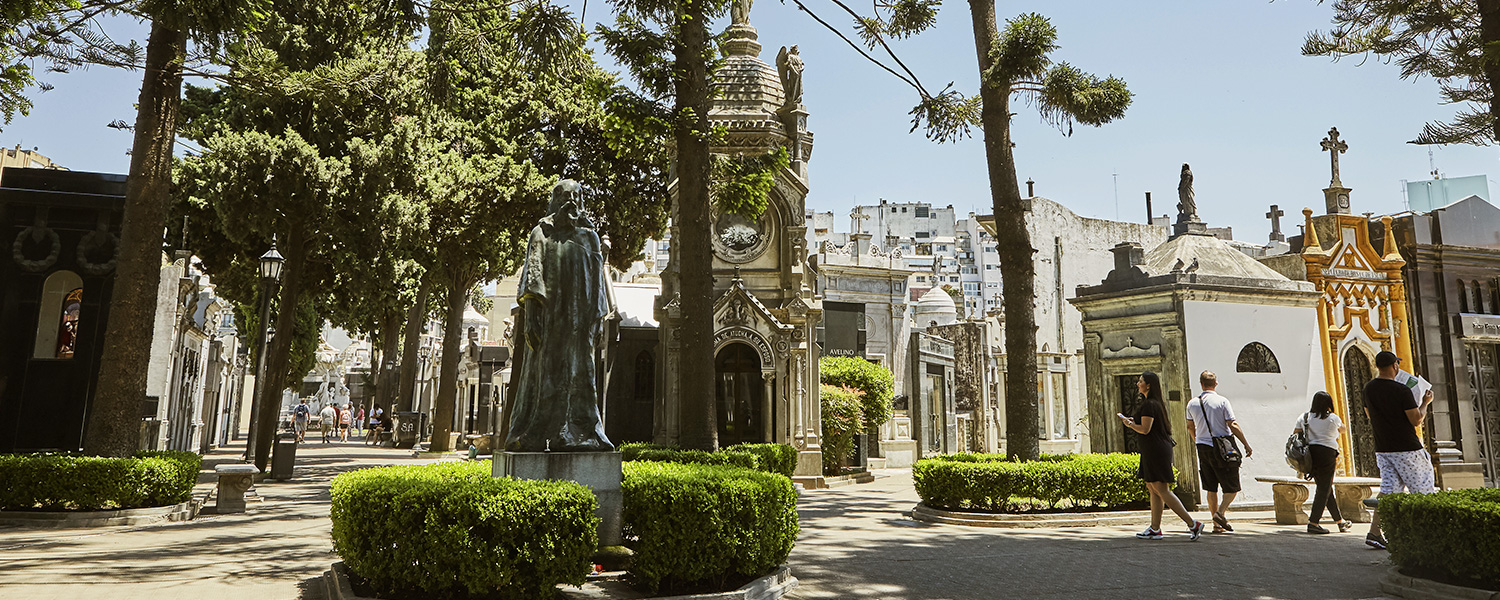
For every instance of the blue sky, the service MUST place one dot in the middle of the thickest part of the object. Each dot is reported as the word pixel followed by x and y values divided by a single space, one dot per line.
pixel 1217 84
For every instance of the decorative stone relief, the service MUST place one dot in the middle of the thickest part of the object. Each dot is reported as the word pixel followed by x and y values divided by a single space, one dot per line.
pixel 1130 350
pixel 738 239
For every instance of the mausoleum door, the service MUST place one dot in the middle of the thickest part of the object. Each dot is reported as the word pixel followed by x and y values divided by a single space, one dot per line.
pixel 1130 404
pixel 1357 373
pixel 1484 385
pixel 740 388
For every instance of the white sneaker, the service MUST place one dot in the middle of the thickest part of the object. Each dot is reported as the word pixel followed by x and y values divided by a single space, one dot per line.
pixel 1149 534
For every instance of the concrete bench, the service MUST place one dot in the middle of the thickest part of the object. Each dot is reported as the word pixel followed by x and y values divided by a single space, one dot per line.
pixel 234 481
pixel 1291 492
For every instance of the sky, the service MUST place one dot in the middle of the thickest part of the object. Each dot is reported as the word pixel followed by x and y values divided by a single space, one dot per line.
pixel 1220 85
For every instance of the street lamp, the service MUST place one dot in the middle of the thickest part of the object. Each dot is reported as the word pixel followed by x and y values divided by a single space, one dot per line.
pixel 270 279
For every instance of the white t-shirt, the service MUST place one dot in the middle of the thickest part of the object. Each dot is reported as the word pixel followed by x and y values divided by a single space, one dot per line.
pixel 328 414
pixel 1219 413
pixel 1323 432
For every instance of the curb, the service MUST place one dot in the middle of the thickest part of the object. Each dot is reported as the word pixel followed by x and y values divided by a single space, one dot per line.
pixel 1417 588
pixel 770 587
pixel 102 518
pixel 922 512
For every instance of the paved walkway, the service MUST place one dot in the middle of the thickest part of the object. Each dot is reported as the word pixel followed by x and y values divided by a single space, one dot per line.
pixel 278 549
pixel 856 542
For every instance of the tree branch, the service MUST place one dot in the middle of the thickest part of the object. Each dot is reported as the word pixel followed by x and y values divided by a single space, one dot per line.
pixel 856 48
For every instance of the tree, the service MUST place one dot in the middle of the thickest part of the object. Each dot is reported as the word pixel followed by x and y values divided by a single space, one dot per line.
pixel 1013 62
pixel 1452 42
pixel 875 384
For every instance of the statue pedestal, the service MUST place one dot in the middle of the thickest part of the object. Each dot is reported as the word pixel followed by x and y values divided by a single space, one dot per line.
pixel 599 471
pixel 1189 228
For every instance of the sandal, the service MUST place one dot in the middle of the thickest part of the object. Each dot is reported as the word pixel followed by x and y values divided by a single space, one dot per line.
pixel 1220 521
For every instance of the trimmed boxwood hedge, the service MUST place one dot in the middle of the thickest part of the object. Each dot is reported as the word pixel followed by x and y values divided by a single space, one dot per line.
pixel 771 458
pixel 1454 534
pixel 990 483
pixel 698 526
pixel 452 529
pixel 74 482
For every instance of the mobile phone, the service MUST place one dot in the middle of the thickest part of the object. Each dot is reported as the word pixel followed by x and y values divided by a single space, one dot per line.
pixel 1121 415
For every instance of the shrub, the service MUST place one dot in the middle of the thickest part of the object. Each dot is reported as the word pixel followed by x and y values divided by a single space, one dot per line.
pixel 771 458
pixel 73 482
pixel 451 529
pixel 1453 534
pixel 989 483
pixel 774 458
pixel 700 525
pixel 874 381
pixel 842 420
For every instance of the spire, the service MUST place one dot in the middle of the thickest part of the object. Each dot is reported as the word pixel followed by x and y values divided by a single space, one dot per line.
pixel 1309 234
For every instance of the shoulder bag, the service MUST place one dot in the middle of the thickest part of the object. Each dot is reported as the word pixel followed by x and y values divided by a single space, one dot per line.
pixel 1226 453
pixel 1297 453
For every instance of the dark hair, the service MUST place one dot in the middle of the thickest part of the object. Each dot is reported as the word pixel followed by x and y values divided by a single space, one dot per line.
pixel 1322 404
pixel 1385 359
pixel 1153 394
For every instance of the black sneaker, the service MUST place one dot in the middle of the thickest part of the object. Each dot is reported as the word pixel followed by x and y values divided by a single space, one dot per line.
pixel 1375 541
pixel 1316 528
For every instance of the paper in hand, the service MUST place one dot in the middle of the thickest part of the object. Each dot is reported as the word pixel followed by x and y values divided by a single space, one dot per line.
pixel 1417 385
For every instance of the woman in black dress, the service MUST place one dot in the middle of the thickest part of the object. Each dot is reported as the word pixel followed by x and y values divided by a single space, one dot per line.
pixel 1156 457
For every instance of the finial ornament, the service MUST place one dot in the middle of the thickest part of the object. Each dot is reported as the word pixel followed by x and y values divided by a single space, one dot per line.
pixel 1334 146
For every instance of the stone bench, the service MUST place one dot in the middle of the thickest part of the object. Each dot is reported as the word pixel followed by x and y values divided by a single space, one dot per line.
pixel 1291 492
pixel 234 481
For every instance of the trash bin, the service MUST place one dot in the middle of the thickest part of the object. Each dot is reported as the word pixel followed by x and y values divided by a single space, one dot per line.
pixel 408 428
pixel 283 456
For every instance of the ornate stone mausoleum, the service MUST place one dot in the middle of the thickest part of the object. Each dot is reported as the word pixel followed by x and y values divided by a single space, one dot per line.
pixel 766 313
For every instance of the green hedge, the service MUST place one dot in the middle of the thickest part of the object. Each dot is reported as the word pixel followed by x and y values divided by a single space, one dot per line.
pixel 702 526
pixel 771 458
pixel 1454 534
pixel 989 483
pixel 451 529
pixel 875 383
pixel 74 482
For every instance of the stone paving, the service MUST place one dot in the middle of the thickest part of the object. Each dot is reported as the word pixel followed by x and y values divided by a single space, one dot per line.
pixel 856 542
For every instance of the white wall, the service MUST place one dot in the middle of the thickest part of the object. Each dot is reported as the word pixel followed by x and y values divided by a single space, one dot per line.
pixel 1265 404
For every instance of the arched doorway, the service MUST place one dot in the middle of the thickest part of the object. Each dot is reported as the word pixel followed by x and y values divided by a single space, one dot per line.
pixel 739 395
pixel 1358 372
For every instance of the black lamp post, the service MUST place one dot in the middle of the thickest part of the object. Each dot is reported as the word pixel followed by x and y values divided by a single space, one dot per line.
pixel 270 279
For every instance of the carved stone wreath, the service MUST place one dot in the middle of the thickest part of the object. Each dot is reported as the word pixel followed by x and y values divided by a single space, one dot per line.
pixel 738 239
pixel 37 234
pixel 96 240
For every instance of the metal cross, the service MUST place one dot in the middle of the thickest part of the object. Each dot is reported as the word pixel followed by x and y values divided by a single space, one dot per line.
pixel 1275 217
pixel 1335 147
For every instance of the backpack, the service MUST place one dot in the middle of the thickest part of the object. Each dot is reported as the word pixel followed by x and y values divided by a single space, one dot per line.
pixel 1297 453
pixel 302 410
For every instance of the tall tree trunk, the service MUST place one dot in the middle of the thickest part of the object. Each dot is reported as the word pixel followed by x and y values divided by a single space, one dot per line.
pixel 115 416
pixel 1013 243
pixel 453 344
pixel 1489 33
pixel 416 320
pixel 279 351
pixel 700 428
pixel 390 345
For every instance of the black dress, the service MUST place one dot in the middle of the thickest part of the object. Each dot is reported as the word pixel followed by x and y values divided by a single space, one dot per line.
pixel 1156 445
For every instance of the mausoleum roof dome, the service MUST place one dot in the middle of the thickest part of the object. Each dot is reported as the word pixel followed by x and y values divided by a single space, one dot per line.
pixel 746 86
pixel 935 306
pixel 473 318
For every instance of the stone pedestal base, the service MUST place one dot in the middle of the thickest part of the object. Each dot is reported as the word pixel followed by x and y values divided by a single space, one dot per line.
pixel 1190 228
pixel 1289 499
pixel 234 481
pixel 1460 475
pixel 599 471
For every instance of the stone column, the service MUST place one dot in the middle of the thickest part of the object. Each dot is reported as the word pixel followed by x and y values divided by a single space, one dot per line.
pixel 769 379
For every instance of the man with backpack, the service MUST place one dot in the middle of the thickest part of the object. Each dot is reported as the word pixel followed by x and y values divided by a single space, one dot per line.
pixel 1211 423
pixel 300 415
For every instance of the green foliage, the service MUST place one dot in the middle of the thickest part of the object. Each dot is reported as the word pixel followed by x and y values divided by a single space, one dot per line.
pixel 740 184
pixel 771 458
pixel 843 418
pixel 479 301
pixel 72 482
pixel 1441 40
pixel 1061 92
pixel 452 529
pixel 699 525
pixel 990 483
pixel 874 382
pixel 1452 533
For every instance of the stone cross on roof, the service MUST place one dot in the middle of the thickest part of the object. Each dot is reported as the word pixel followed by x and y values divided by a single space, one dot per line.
pixel 1275 216
pixel 1335 146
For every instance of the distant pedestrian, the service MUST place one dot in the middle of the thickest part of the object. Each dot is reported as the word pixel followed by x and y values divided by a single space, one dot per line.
pixel 300 415
pixel 359 419
pixel 377 416
pixel 1156 457
pixel 1322 429
pixel 1395 416
pixel 346 419
pixel 1209 416
pixel 326 420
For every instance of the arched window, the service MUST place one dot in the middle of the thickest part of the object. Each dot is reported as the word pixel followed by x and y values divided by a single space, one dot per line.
pixel 57 317
pixel 1255 357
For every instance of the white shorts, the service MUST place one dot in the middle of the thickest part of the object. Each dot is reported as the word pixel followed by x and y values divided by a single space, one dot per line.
pixel 1406 472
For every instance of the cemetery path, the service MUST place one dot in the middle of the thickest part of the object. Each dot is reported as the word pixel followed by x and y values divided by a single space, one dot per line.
pixel 858 542
pixel 278 549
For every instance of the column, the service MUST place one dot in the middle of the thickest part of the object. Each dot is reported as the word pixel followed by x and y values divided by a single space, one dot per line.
pixel 769 379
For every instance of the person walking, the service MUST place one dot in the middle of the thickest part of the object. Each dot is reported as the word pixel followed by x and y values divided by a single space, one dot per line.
pixel 346 419
pixel 1322 429
pixel 1395 414
pixel 1210 415
pixel 326 420
pixel 359 419
pixel 300 415
pixel 372 433
pixel 1156 457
